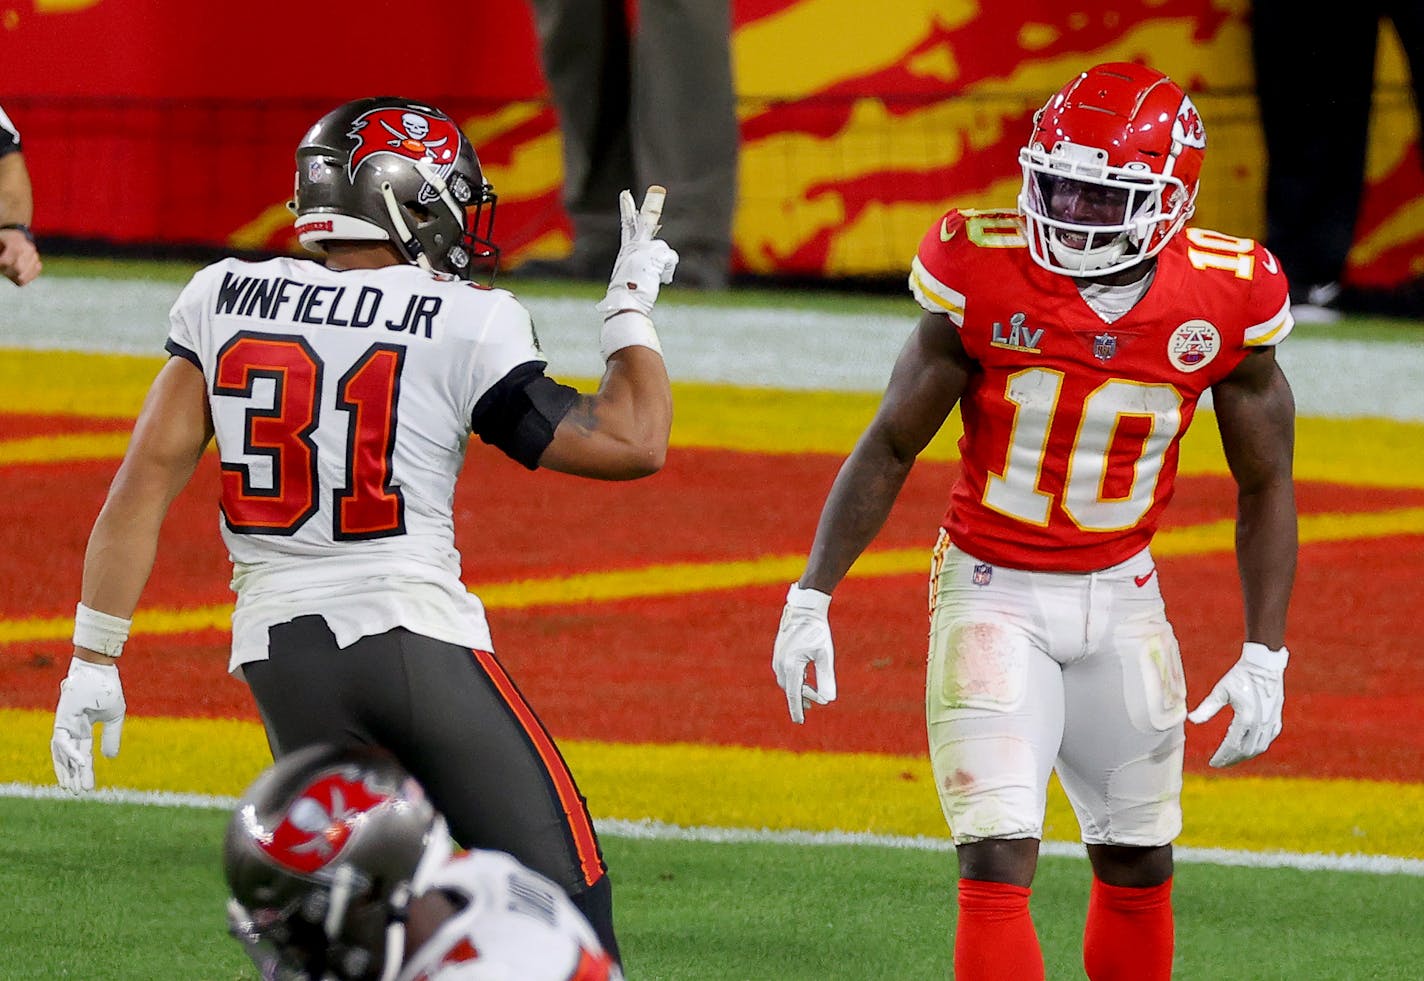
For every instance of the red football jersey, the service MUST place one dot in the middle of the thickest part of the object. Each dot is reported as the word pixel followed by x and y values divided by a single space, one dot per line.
pixel 1072 426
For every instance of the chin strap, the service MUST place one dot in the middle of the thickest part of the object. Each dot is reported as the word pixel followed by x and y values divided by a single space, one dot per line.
pixel 409 244
pixel 395 935
pixel 338 901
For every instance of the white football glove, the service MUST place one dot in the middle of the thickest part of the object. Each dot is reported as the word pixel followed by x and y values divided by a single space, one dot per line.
pixel 90 693
pixel 804 638
pixel 1255 689
pixel 643 262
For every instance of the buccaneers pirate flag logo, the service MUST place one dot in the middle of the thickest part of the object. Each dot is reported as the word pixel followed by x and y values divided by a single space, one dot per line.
pixel 320 822
pixel 415 133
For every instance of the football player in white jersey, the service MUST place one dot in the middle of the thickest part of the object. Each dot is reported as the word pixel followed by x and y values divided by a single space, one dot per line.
pixel 341 395
pixel 339 867
pixel 1076 335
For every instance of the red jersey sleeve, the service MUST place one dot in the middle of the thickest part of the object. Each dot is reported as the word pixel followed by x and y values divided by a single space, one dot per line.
pixel 956 251
pixel 1268 314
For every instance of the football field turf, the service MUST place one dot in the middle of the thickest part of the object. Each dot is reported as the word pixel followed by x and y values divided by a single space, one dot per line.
pixel 638 620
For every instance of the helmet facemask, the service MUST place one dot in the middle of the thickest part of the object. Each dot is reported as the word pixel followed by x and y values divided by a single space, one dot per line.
pixel 1146 209
pixel 343 931
pixel 421 230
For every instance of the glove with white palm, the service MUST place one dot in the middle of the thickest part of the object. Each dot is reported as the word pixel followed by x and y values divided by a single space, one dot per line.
pixel 1254 687
pixel 803 638
pixel 644 263
pixel 91 693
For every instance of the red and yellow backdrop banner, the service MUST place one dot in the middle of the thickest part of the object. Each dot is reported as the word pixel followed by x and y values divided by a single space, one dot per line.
pixel 175 123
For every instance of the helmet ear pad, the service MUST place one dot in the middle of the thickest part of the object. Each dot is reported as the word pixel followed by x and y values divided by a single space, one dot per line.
pixel 394 170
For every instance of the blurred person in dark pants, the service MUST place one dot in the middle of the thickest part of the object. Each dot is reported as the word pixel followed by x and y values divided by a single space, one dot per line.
pixel 1315 78
pixel 651 98
pixel 19 259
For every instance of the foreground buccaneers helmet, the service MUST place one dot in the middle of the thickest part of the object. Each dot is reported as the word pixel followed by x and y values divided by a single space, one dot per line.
pixel 1134 136
pixel 393 170
pixel 322 856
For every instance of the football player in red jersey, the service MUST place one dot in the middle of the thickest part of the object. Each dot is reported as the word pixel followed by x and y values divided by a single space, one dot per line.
pixel 1076 334
pixel 342 396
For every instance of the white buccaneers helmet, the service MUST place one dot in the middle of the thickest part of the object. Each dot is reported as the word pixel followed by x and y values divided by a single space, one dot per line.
pixel 388 169
pixel 1135 140
pixel 322 856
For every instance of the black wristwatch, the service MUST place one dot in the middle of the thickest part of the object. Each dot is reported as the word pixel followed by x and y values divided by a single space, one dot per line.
pixel 22 229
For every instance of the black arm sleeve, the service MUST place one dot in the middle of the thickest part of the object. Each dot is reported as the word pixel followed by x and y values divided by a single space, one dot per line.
pixel 520 412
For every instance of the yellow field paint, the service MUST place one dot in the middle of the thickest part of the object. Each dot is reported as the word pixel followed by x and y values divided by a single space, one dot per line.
pixel 738 787
pixel 70 383
pixel 64 448
pixel 1360 452
pixel 684 578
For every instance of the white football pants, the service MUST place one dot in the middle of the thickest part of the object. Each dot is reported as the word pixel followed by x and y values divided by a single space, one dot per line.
pixel 1035 671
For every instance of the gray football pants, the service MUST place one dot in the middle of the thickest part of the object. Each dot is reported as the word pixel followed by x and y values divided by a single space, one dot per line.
pixel 456 721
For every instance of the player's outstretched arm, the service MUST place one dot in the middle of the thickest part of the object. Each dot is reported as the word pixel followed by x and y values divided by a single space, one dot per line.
pixel 1255 412
pixel 168 440
pixel 928 379
pixel 621 431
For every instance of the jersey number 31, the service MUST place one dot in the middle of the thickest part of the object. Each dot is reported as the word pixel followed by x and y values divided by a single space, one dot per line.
pixel 367 505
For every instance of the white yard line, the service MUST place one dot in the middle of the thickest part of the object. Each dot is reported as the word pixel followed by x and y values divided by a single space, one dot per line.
pixel 759 347
pixel 658 831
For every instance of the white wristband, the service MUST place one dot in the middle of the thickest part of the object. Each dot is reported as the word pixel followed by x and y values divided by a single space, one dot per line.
pixel 808 599
pixel 95 631
pixel 626 329
pixel 1262 656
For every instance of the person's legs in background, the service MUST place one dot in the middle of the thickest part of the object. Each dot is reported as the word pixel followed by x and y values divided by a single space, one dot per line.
pixel 584 48
pixel 684 129
pixel 1315 123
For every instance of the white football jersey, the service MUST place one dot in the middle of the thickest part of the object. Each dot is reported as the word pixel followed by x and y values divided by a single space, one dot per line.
pixel 516 926
pixel 341 403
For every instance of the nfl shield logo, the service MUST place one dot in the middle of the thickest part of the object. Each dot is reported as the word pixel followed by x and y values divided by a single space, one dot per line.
pixel 983 572
pixel 1104 346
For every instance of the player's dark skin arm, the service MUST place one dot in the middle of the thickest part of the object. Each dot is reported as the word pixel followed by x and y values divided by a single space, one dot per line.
pixel 929 377
pixel 427 913
pixel 1255 412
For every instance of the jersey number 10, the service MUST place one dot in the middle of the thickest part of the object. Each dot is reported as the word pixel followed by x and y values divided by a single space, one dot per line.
pixel 1034 394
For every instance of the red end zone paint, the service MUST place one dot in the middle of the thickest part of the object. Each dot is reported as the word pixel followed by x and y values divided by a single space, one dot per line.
pixel 696 668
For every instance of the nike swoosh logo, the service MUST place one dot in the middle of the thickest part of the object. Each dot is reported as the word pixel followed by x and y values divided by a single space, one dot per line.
pixel 944 233
pixel 1269 262
pixel 1142 580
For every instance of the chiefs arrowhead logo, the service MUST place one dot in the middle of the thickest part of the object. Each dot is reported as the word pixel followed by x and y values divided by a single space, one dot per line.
pixel 412 132
pixel 1187 128
pixel 319 823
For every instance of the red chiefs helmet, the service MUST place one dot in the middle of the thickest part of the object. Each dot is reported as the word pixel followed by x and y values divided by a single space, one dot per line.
pixel 1134 137
pixel 321 856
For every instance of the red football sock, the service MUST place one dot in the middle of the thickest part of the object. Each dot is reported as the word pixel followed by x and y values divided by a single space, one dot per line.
pixel 1129 935
pixel 995 940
